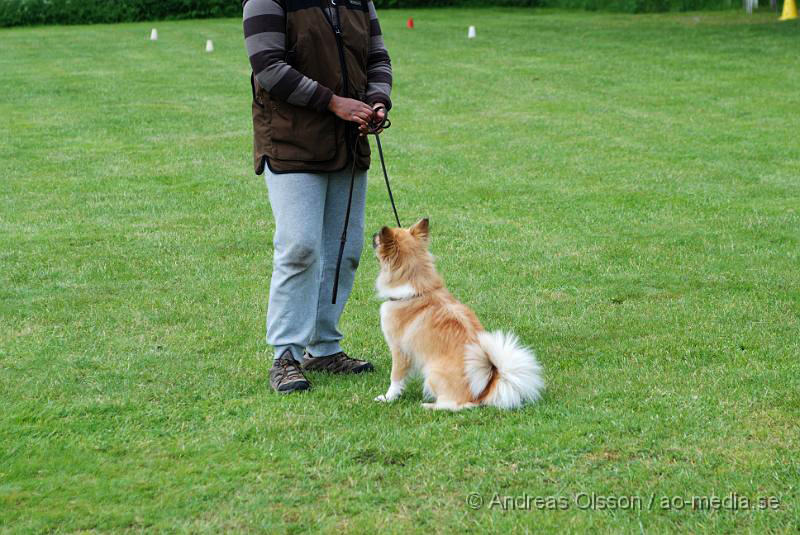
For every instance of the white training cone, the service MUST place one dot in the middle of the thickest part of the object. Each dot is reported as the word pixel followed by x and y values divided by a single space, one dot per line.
pixel 471 32
pixel 209 46
pixel 154 35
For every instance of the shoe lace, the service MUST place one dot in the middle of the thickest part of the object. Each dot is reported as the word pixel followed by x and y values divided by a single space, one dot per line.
pixel 286 367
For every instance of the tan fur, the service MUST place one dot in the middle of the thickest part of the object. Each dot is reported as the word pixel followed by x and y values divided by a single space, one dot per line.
pixel 425 327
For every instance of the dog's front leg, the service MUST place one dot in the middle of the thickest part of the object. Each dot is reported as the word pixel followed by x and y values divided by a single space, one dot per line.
pixel 401 365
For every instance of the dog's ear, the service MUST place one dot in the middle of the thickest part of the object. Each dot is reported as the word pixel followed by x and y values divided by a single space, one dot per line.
pixel 420 229
pixel 386 236
pixel 387 244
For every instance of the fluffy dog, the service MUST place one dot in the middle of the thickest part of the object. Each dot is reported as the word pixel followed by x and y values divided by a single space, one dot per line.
pixel 428 329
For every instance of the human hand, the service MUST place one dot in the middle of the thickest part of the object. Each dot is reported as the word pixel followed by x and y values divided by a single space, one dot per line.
pixel 378 115
pixel 351 110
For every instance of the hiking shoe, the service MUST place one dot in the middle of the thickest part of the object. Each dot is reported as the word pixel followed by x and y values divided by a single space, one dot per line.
pixel 286 376
pixel 336 363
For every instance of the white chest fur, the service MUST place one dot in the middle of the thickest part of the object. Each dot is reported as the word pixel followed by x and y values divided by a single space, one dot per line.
pixel 405 339
pixel 386 319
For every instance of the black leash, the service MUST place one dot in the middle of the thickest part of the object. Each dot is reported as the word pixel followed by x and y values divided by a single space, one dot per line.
pixel 385 174
pixel 373 129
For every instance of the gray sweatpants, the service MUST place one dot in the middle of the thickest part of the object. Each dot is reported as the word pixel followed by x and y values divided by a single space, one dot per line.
pixel 309 210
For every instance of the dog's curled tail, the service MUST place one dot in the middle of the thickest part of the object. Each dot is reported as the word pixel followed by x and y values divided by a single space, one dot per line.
pixel 502 372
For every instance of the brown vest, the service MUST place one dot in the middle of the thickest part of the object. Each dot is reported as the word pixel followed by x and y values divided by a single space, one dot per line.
pixel 298 139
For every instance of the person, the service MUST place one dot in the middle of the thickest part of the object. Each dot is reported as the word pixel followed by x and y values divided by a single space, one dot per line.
pixel 321 75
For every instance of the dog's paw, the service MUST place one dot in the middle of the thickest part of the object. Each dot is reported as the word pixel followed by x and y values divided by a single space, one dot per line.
pixel 430 406
pixel 382 399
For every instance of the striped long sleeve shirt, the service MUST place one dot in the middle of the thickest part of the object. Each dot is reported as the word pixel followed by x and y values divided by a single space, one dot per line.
pixel 265 39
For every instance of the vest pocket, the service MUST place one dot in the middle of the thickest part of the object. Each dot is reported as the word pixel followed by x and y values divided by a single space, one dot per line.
pixel 302 134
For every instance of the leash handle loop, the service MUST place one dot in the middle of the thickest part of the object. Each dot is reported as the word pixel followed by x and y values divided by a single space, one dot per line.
pixel 373 127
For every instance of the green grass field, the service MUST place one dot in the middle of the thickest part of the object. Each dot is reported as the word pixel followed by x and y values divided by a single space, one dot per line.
pixel 622 191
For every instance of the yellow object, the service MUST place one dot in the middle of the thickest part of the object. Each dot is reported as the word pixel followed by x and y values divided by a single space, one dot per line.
pixel 789 10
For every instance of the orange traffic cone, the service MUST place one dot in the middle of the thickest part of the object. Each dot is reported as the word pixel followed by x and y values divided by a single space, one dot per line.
pixel 789 10
pixel 410 23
